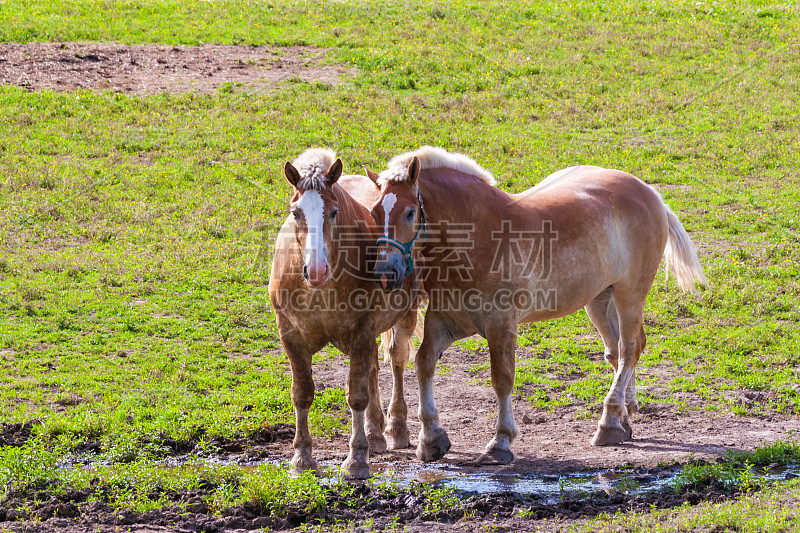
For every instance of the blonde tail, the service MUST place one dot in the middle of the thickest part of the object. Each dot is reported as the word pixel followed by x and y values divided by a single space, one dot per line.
pixel 386 339
pixel 681 257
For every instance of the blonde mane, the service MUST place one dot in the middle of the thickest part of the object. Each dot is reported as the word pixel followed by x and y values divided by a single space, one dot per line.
pixel 433 157
pixel 313 165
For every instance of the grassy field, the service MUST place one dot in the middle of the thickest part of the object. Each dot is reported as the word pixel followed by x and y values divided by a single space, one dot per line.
pixel 133 298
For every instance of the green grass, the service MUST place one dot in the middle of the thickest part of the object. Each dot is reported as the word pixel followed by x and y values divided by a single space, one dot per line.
pixel 135 232
pixel 31 474
pixel 773 510
pixel 763 505
pixel 739 470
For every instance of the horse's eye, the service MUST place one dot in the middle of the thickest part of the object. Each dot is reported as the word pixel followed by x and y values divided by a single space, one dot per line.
pixel 374 216
pixel 334 212
pixel 296 214
pixel 411 214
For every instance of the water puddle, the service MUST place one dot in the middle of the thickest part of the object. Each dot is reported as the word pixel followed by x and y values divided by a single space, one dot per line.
pixel 553 487
pixel 545 488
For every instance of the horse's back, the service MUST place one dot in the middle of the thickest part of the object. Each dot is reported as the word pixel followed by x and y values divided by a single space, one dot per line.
pixel 605 188
pixel 556 177
pixel 583 177
pixel 608 216
pixel 361 188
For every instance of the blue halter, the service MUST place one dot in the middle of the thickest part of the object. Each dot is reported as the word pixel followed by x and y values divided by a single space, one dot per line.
pixel 407 247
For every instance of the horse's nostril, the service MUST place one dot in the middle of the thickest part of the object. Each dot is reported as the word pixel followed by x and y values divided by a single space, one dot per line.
pixel 305 271
pixel 388 279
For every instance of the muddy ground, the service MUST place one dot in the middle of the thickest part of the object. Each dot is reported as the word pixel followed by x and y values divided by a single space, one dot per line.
pixel 149 69
pixel 72 513
pixel 557 442
pixel 551 444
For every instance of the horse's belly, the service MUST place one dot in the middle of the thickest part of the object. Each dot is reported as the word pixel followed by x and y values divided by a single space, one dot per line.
pixel 546 301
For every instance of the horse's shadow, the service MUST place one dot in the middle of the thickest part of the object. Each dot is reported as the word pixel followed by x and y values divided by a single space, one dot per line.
pixel 526 462
pixel 658 445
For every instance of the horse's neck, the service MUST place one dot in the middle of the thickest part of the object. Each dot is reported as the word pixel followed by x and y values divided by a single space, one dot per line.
pixel 351 213
pixel 355 234
pixel 453 196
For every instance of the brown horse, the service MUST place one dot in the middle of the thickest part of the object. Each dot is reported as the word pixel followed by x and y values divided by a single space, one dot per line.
pixel 584 237
pixel 323 291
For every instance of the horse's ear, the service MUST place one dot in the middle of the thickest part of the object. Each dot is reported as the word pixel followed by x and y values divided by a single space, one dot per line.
pixel 334 172
pixel 372 175
pixel 413 170
pixel 291 174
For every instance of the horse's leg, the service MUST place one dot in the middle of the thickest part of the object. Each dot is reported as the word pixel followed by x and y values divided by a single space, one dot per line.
pixel 631 403
pixel 375 419
pixel 397 435
pixel 433 440
pixel 299 353
pixel 603 313
pixel 614 426
pixel 362 352
pixel 502 341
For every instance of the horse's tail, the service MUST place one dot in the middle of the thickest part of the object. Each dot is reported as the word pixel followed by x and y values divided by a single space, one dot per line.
pixel 680 255
pixel 386 339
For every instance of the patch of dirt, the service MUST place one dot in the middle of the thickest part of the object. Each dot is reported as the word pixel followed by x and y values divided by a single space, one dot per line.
pixel 269 441
pixel 16 434
pixel 557 442
pixel 150 69
pixel 273 436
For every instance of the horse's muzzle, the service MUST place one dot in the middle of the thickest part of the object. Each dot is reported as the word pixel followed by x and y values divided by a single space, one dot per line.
pixel 390 273
pixel 316 273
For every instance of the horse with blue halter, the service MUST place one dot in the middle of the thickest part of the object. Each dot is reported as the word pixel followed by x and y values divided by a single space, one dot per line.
pixel 323 290
pixel 585 237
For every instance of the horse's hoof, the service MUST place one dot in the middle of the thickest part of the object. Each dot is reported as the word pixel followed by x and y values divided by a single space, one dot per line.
pixel 626 425
pixel 495 456
pixel 303 464
pixel 605 436
pixel 434 450
pixel 377 443
pixel 398 440
pixel 354 469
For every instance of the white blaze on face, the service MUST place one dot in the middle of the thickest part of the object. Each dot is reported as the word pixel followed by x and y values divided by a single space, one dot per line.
pixel 313 209
pixel 388 203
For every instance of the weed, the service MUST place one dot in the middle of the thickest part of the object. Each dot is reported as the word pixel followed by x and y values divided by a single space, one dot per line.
pixel 738 469
pixel 30 465
pixel 275 488
pixel 441 500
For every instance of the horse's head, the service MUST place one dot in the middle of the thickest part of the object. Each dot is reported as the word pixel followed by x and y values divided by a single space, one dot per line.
pixel 400 220
pixel 314 207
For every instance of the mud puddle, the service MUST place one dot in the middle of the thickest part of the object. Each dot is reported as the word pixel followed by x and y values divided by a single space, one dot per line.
pixel 516 500
pixel 547 489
